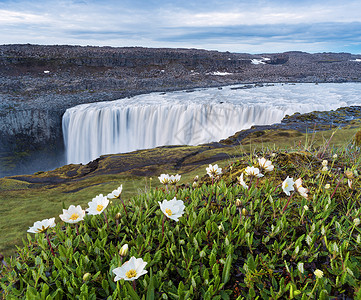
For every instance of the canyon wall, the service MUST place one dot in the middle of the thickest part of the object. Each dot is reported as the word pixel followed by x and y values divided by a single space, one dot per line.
pixel 38 83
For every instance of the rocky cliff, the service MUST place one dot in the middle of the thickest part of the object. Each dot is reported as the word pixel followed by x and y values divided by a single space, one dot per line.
pixel 38 83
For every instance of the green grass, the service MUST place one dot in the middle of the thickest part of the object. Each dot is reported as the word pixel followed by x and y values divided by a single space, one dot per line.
pixel 214 251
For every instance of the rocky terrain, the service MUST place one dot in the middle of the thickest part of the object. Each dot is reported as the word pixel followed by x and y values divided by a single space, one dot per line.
pixel 38 83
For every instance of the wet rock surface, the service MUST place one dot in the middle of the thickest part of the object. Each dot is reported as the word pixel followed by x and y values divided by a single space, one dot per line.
pixel 302 123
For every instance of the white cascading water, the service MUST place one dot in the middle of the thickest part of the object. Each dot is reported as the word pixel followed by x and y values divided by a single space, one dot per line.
pixel 190 118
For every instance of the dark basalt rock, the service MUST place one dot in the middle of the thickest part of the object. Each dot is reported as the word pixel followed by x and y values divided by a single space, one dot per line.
pixel 302 123
pixel 32 101
pixel 278 60
pixel 339 117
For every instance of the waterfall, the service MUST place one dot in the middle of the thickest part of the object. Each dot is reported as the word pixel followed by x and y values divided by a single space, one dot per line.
pixel 183 118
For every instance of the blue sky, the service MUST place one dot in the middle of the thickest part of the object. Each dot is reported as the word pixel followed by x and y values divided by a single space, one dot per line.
pixel 257 26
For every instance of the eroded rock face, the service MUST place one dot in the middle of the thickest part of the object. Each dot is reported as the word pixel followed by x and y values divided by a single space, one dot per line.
pixel 38 83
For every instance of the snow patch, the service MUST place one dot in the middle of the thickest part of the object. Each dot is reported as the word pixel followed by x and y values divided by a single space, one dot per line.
pixel 220 73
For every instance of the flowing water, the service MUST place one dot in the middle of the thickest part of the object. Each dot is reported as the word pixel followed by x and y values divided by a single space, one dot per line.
pixel 191 117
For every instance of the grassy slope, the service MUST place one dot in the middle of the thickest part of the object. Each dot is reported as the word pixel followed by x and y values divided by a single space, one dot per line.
pixel 26 199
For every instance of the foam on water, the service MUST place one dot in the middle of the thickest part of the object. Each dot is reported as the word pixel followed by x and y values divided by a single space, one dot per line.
pixel 191 117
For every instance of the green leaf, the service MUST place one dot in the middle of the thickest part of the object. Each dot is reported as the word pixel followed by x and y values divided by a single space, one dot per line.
pixel 181 289
pixel 251 264
pixel 215 270
pixel 224 295
pixel 131 292
pixel 212 259
pixel 323 295
pixel 58 263
pixel 227 269
pixel 105 286
pixel 96 275
pixel 44 291
pixel 150 288
pixel 157 257
pixel 252 293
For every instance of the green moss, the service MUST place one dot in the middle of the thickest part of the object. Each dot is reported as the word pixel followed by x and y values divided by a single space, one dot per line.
pixel 12 184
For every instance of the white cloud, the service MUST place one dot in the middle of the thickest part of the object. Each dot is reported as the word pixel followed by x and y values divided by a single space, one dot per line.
pixel 9 17
pixel 274 25
pixel 273 14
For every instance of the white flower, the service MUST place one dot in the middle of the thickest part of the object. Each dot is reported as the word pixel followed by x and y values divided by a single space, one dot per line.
pixel 123 250
pixel 73 214
pixel 173 209
pixel 334 156
pixel 327 186
pixel 287 185
pixel 303 191
pixel 356 222
pixel 324 162
pixel 265 164
pixel 300 267
pixel 349 182
pixel 305 207
pixel 318 273
pixel 86 276
pixel 213 171
pixel 42 226
pixel 298 183
pixel 130 270
pixel 97 205
pixel 324 169
pixel 252 171
pixel 241 182
pixel 173 179
pixel 164 178
pixel 116 193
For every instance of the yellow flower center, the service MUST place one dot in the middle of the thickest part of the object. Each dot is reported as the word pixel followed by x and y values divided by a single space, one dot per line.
pixel 74 217
pixel 100 207
pixel 168 212
pixel 286 185
pixel 131 273
pixel 42 229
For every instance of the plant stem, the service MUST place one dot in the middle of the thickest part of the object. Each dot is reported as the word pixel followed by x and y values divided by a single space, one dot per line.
pixel 51 248
pixel 118 289
pixel 338 183
pixel 134 285
pixel 310 295
pixel 287 203
pixel 126 213
pixel 163 226
pixel 106 219
pixel 121 261
pixel 353 227
pixel 257 182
